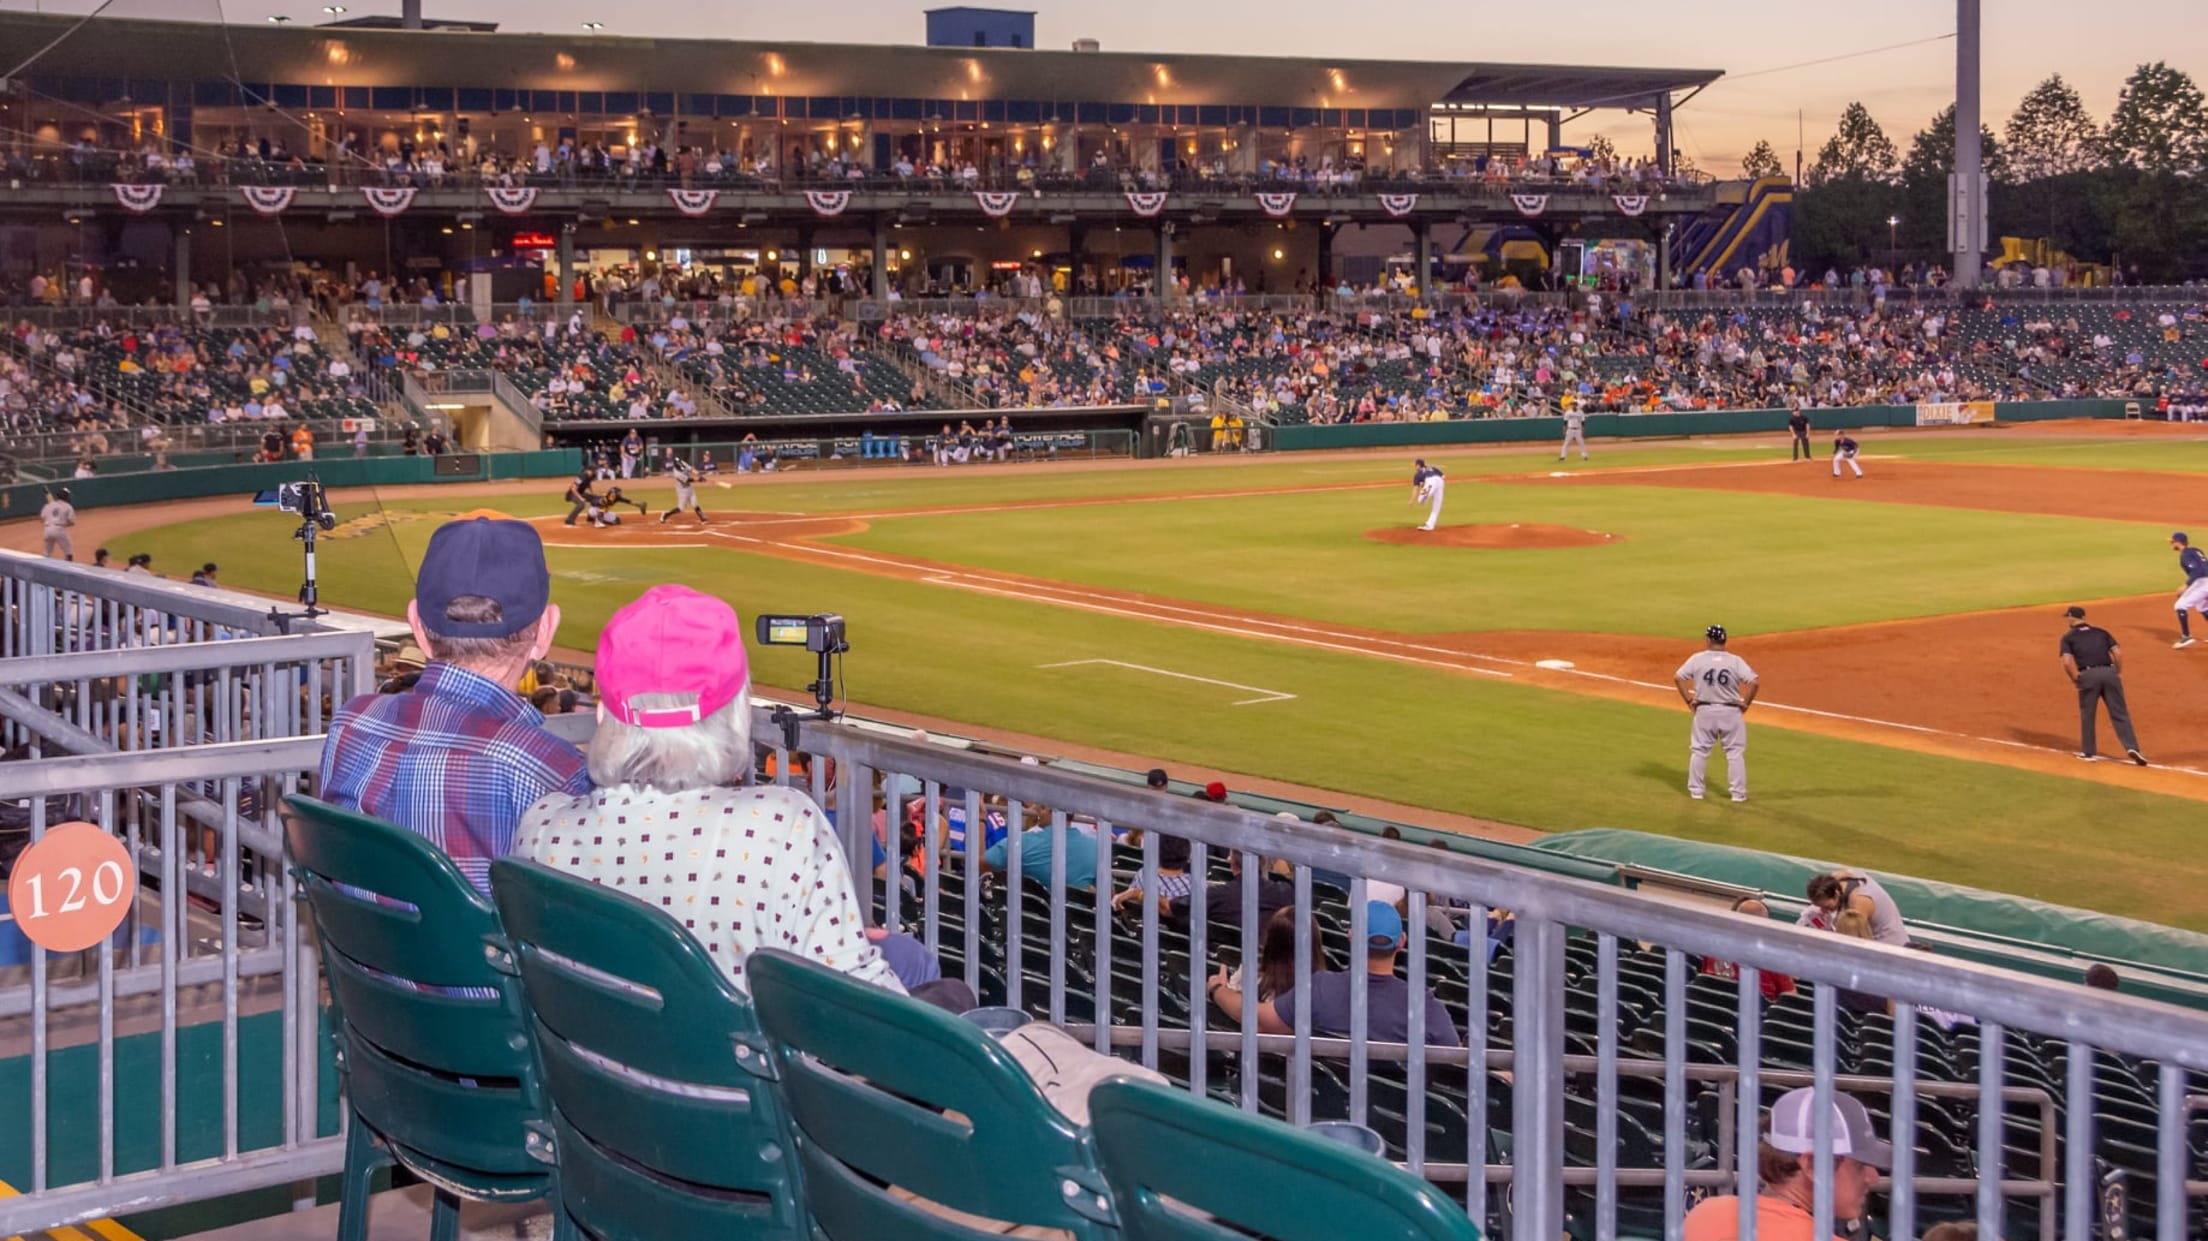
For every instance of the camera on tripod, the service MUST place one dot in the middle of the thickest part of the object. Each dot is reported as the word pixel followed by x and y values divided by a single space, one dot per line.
pixel 822 634
pixel 304 498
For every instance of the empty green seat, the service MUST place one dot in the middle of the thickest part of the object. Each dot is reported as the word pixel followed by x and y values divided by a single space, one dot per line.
pixel 665 1117
pixel 1229 1174
pixel 870 1078
pixel 431 1040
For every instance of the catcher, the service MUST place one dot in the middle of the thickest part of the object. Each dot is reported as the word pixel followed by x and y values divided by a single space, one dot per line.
pixel 611 499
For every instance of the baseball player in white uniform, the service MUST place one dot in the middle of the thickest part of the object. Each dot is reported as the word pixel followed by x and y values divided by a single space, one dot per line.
pixel 1719 686
pixel 1575 432
pixel 686 491
pixel 1427 486
pixel 55 519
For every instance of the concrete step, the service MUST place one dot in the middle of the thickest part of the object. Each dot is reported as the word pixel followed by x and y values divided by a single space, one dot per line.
pixel 396 1215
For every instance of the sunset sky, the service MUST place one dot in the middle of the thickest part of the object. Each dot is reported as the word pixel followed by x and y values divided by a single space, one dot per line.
pixel 2025 41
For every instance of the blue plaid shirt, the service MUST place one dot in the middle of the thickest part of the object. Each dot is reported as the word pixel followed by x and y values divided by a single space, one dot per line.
pixel 457 758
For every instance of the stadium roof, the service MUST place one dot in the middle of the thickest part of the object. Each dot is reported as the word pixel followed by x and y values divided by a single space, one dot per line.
pixel 203 51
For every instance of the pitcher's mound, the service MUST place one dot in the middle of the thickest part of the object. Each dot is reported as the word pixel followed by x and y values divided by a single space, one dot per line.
pixel 1511 535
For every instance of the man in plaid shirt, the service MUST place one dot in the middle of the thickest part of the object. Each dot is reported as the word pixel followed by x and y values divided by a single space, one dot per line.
pixel 459 756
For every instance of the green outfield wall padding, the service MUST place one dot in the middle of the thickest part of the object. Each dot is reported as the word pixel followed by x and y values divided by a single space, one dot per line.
pixel 1622 426
pixel 155 487
pixel 2054 927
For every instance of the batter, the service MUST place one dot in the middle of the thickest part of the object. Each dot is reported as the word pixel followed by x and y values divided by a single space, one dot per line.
pixel 1719 686
pixel 686 491
pixel 1427 486
pixel 2194 598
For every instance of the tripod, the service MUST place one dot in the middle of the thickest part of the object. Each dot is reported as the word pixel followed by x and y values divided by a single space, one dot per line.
pixel 315 517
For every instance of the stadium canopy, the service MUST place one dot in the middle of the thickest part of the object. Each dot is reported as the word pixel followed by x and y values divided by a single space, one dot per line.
pixel 204 51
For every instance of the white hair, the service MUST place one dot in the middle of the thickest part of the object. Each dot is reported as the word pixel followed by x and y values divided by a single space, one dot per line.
pixel 712 752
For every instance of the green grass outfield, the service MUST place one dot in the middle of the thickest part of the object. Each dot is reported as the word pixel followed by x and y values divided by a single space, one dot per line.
pixel 1547 759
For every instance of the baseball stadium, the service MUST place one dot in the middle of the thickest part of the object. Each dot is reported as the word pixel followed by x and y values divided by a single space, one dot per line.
pixel 1501 685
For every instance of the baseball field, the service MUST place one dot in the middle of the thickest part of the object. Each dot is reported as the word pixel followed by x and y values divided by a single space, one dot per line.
pixel 1278 618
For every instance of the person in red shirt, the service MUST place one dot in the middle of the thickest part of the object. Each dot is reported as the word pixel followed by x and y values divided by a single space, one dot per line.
pixel 1773 983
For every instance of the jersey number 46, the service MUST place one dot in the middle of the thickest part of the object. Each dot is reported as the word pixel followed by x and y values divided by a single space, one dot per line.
pixel 1718 676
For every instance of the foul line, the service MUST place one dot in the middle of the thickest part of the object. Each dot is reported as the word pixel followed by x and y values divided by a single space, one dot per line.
pixel 1265 695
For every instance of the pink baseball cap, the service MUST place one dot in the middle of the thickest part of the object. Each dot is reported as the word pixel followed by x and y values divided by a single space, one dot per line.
pixel 672 640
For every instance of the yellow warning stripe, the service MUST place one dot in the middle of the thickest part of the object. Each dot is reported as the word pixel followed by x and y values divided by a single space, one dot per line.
pixel 106 1229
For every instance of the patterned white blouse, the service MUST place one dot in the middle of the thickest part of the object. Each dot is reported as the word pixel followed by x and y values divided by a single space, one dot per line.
pixel 741 868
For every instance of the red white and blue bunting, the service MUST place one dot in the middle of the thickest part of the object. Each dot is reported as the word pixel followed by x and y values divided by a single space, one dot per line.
pixel 388 200
pixel 1399 205
pixel 139 198
pixel 269 199
pixel 996 204
pixel 827 202
pixel 693 202
pixel 1277 205
pixel 511 199
pixel 1146 203
pixel 1530 205
pixel 1630 204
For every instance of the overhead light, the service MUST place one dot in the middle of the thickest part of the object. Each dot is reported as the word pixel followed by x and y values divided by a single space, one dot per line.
pixel 594 25
pixel 278 18
pixel 333 9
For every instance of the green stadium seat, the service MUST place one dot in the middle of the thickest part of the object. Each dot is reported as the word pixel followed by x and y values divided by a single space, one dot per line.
pixel 432 1043
pixel 665 1117
pixel 869 1076
pixel 1250 1175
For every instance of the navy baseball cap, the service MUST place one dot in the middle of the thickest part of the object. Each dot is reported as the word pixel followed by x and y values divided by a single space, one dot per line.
pixel 1715 633
pixel 499 560
pixel 2175 537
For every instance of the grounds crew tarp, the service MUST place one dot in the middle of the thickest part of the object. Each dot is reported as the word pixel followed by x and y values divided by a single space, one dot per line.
pixel 2057 927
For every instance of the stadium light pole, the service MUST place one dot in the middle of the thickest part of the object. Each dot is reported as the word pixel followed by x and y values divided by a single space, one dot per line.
pixel 1966 208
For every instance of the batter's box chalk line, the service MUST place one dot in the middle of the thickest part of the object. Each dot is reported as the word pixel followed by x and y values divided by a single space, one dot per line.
pixel 1264 695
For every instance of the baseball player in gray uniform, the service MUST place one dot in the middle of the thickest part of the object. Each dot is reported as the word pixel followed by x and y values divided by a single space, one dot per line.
pixel 1575 432
pixel 1719 686
pixel 58 515
pixel 686 491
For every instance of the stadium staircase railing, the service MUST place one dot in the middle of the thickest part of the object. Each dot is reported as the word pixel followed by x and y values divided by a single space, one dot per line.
pixel 1603 1081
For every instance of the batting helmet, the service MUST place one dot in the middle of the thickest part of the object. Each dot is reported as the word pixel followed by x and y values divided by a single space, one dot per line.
pixel 1715 633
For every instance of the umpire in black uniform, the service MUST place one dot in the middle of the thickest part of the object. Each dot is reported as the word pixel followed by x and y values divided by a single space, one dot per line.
pixel 2095 664
pixel 1797 421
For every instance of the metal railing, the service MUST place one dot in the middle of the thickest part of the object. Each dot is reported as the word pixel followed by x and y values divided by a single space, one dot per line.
pixel 1621 1097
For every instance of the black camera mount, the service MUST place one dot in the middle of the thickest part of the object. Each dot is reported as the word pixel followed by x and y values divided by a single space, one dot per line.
pixel 306 498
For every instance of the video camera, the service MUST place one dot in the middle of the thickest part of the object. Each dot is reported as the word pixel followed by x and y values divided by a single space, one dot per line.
pixel 305 499
pixel 822 634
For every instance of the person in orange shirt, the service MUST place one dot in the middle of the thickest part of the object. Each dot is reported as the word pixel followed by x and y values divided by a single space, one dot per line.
pixel 302 442
pixel 1786 1175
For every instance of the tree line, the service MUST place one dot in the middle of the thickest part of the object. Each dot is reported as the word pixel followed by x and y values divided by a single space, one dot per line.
pixel 2132 192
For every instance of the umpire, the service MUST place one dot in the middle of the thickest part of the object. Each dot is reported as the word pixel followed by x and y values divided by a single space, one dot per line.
pixel 2095 664
pixel 1797 421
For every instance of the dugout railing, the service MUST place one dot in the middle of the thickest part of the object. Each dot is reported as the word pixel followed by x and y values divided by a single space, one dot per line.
pixel 1593 1088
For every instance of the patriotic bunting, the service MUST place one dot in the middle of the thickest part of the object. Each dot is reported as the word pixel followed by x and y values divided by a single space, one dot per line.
pixel 140 198
pixel 996 205
pixel 1398 205
pixel 828 202
pixel 1146 203
pixel 511 199
pixel 693 202
pixel 269 199
pixel 1277 205
pixel 1530 204
pixel 388 200
pixel 1630 204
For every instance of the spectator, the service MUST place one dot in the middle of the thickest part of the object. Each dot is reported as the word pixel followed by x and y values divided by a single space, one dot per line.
pixel 1035 866
pixel 1772 983
pixel 2101 978
pixel 1157 780
pixel 1786 1169
pixel 1172 875
pixel 1387 1003
pixel 1830 893
pixel 1276 955
pixel 458 756
pixel 140 562
pixel 1223 900
pixel 102 559
pixel 743 868
pixel 1952 1230
pixel 206 575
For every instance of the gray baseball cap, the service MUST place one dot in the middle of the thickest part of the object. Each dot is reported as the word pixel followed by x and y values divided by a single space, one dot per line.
pixel 1794 1128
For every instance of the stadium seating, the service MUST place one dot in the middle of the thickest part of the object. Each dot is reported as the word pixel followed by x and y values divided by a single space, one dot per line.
pixel 665 1117
pixel 431 1041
